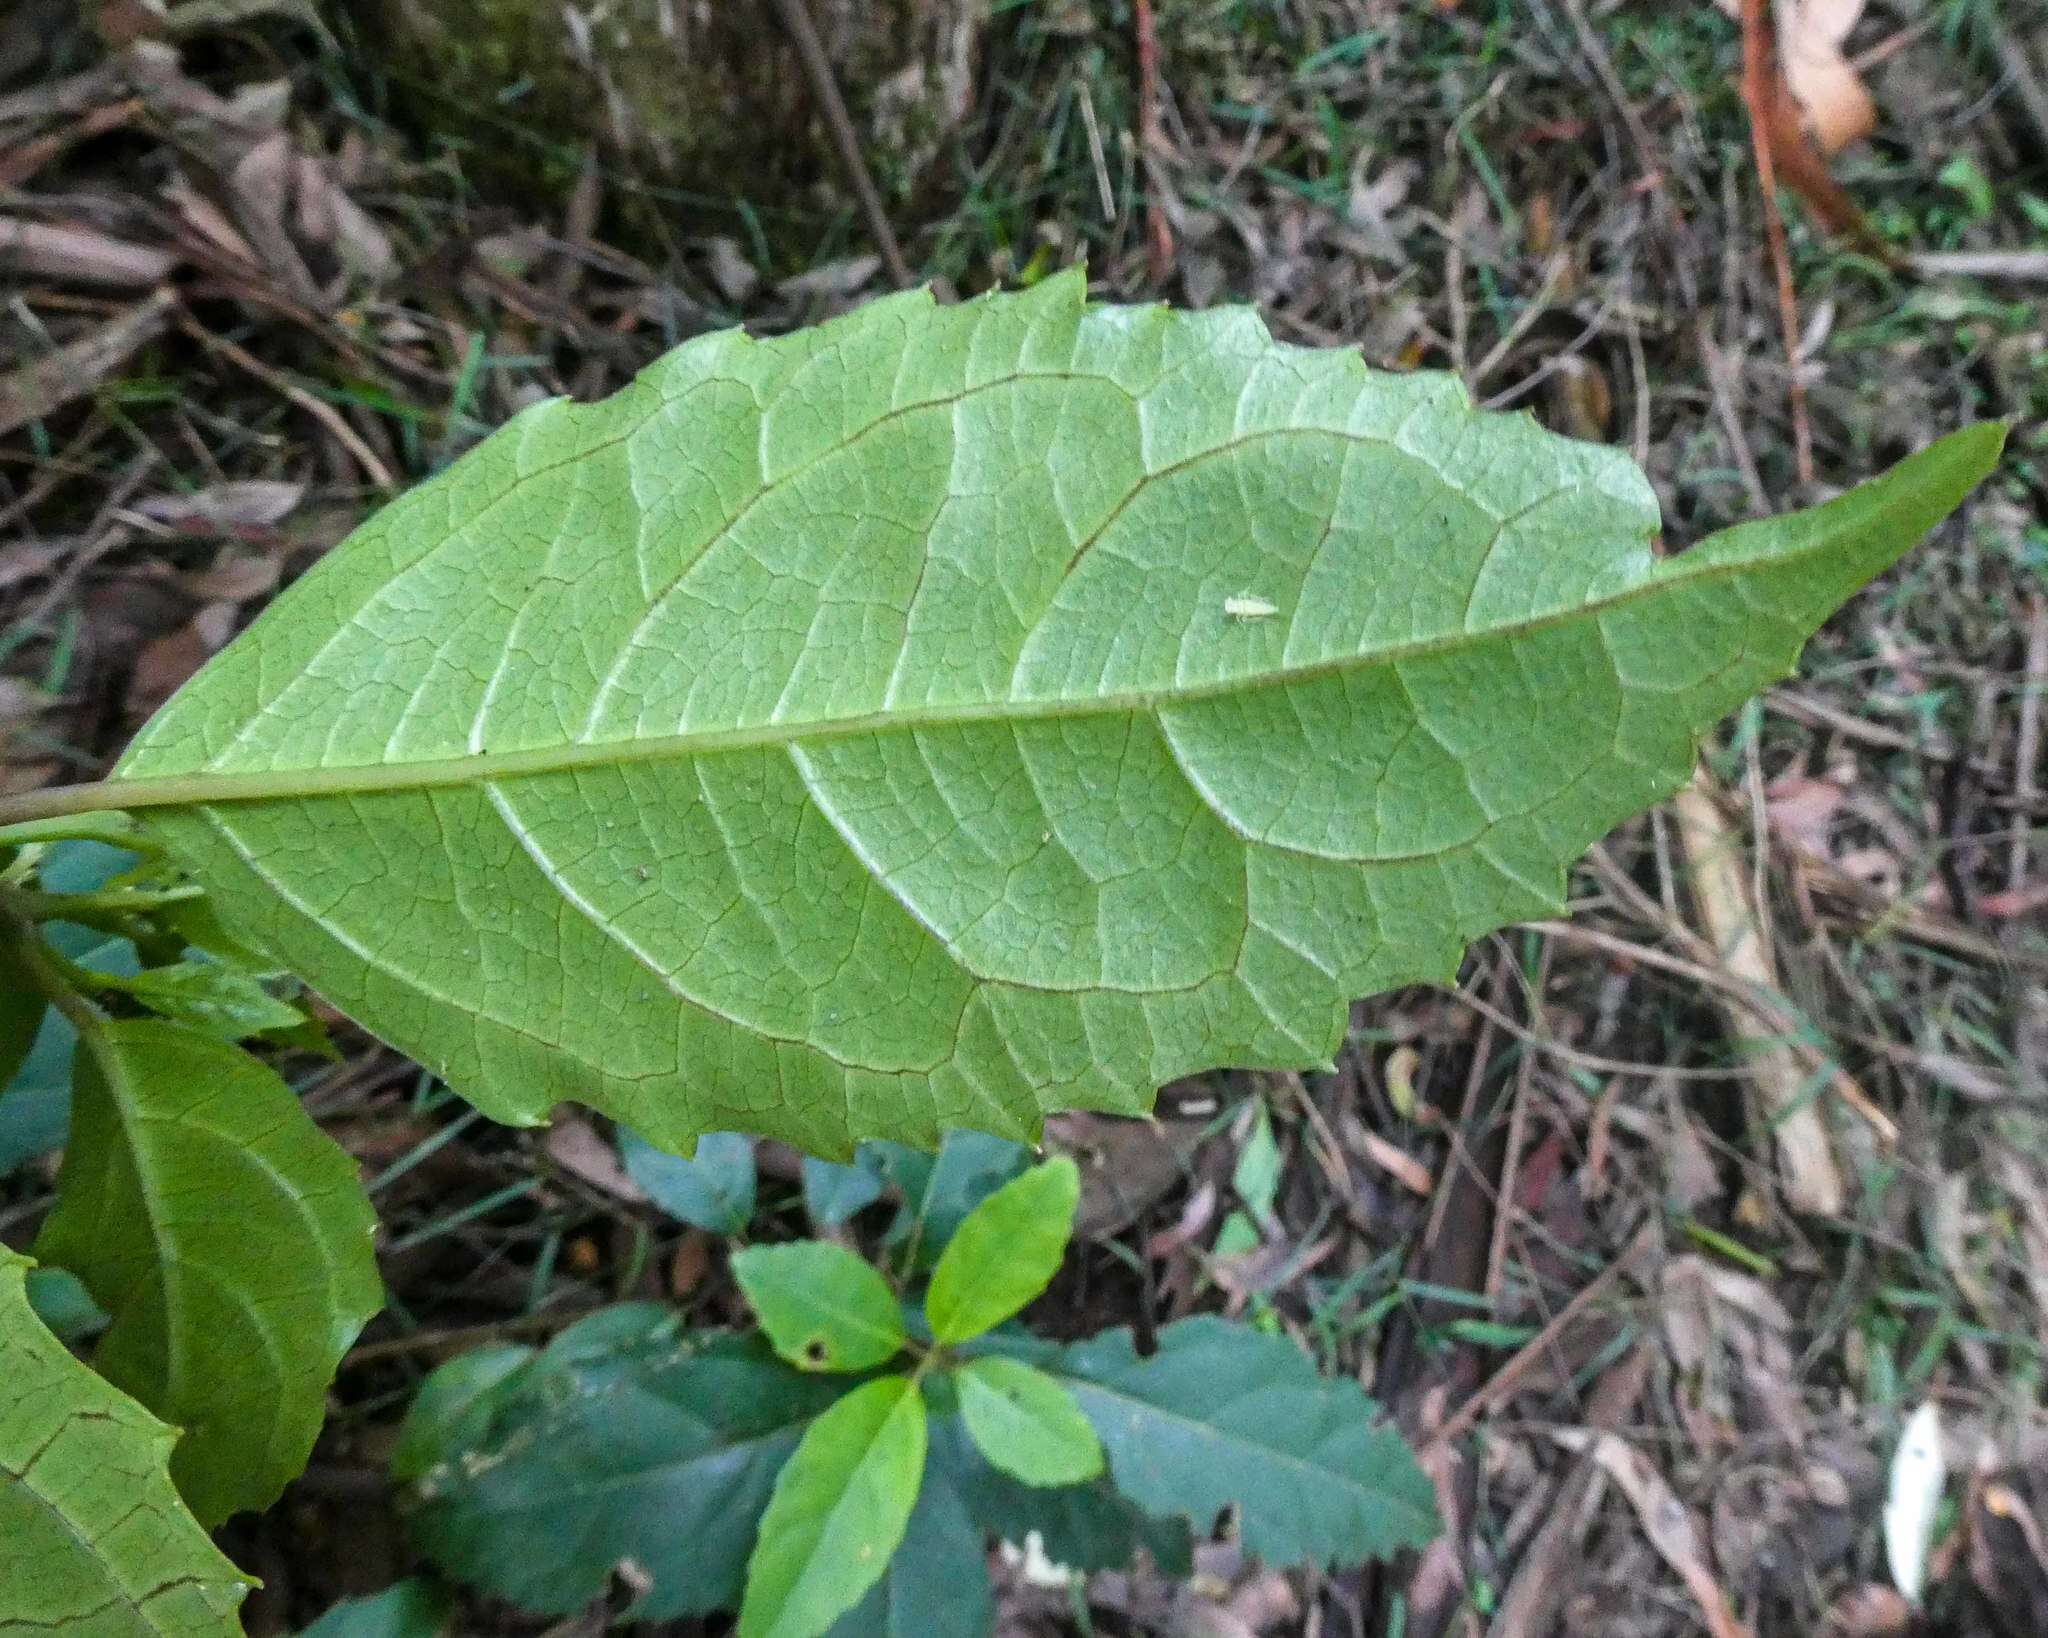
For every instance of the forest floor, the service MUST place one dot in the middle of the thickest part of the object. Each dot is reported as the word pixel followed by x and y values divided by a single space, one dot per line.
pixel 1655 1355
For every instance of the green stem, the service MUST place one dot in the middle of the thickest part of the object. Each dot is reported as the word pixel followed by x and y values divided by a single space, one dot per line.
pixel 44 971
pixel 41 906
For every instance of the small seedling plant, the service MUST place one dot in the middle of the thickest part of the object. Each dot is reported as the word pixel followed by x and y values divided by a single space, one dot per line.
pixel 842 1470
pixel 930 720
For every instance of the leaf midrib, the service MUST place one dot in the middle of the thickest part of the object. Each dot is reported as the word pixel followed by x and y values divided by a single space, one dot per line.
pixel 492 767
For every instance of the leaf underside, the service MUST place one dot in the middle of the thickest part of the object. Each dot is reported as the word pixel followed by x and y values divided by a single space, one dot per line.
pixel 879 728
pixel 94 1542
pixel 229 1240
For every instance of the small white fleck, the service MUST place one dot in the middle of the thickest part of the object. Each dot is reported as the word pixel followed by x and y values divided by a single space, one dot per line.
pixel 1249 608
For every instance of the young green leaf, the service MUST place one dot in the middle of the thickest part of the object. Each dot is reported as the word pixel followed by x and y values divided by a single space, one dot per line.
pixel 230 1241
pixel 536 1475
pixel 794 741
pixel 840 1507
pixel 1005 1253
pixel 713 1189
pixel 939 1190
pixel 937 1584
pixel 1026 1423
pixel 221 1000
pixel 1223 1416
pixel 93 1538
pixel 824 1308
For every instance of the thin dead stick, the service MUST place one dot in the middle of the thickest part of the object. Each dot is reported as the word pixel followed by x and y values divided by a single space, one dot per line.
pixel 47 384
pixel 1759 73
pixel 2026 754
pixel 1769 1012
pixel 2020 266
pixel 1158 232
pixel 1505 1380
pixel 322 411
pixel 461 1338
pixel 803 34
pixel 1589 1060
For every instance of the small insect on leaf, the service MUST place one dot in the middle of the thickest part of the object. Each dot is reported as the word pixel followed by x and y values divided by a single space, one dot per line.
pixel 1249 608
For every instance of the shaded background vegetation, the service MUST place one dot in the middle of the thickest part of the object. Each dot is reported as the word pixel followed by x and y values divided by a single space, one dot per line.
pixel 264 262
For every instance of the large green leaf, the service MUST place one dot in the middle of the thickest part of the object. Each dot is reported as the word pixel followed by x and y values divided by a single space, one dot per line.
pixel 841 1504
pixel 1223 1416
pixel 94 1542
pixel 230 1241
pixel 951 713
pixel 536 1476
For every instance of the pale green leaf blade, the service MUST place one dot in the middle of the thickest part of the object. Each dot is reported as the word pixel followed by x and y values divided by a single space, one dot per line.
pixel 94 1541
pixel 212 996
pixel 823 1308
pixel 1005 1253
pixel 820 716
pixel 1223 1416
pixel 1026 1423
pixel 229 1239
pixel 838 1513
pixel 535 1475
pixel 937 1583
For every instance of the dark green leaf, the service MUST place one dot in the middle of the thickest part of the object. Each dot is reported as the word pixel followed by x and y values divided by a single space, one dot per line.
pixel 65 1307
pixel 1005 1253
pixel 35 1106
pixel 833 1192
pixel 412 1609
pixel 21 1012
pixel 823 1307
pixel 230 1241
pixel 712 1190
pixel 1225 1416
pixel 838 1513
pixel 623 1442
pixel 1084 1526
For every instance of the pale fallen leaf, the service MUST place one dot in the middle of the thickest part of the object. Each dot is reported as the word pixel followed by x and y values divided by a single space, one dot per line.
pixel 572 1143
pixel 1670 1528
pixel 1828 88
pixel 1911 1499
pixel 1822 80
